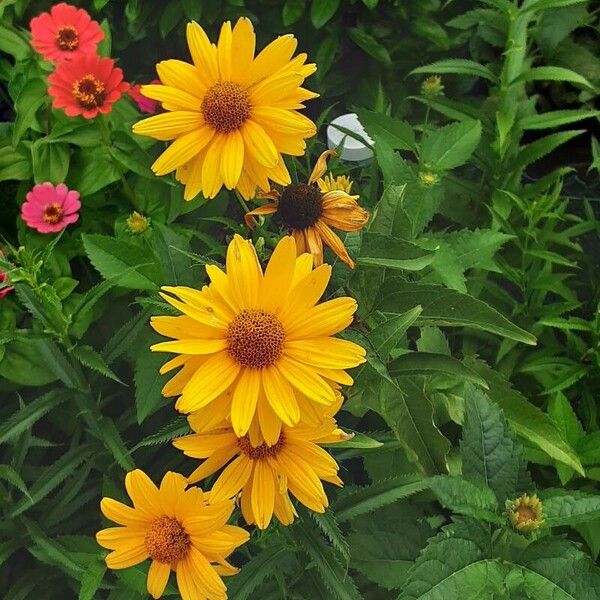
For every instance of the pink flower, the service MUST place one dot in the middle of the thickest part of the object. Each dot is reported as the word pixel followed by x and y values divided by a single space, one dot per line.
pixel 146 105
pixel 50 209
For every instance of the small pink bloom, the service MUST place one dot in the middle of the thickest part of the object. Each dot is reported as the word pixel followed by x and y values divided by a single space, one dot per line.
pixel 146 105
pixel 50 209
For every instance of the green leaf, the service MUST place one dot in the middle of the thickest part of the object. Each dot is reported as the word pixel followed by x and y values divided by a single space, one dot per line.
pixel 14 42
pixel 88 357
pixel 526 419
pixel 255 571
pixel 333 574
pixel 112 440
pixel 488 448
pixel 426 363
pixel 29 414
pixel 8 474
pixel 379 250
pixel 116 258
pixel 569 507
pixel 359 440
pixel 32 96
pixel 553 74
pixel 370 45
pixel 540 148
pixel 556 118
pixel 388 334
pixel 458 66
pixel 450 146
pixel 542 5
pixel 92 169
pixel 170 17
pixel 50 162
pixel 396 133
pixel 15 164
pixel 292 11
pixel 387 212
pixel 148 384
pixel 449 308
pixel 358 500
pixel 91 580
pixel 322 11
pixel 329 526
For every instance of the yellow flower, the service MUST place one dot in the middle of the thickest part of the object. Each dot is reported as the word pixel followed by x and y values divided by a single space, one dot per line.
pixel 526 513
pixel 253 343
pixel 432 86
pixel 137 223
pixel 310 212
pixel 231 115
pixel 266 475
pixel 428 179
pixel 178 530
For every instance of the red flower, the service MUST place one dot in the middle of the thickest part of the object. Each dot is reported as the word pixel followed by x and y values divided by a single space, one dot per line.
pixel 86 85
pixel 4 279
pixel 65 32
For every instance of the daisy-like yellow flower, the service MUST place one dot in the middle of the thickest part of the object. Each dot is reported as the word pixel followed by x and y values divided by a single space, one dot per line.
pixel 178 530
pixel 526 513
pixel 309 212
pixel 258 343
pixel 231 115
pixel 266 475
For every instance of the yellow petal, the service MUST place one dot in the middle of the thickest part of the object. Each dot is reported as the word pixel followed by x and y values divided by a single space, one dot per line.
pixel 183 76
pixel 211 169
pixel 244 42
pixel 274 56
pixel 171 491
pixel 321 166
pixel 280 395
pixel 168 126
pixel 306 293
pixel 326 352
pixel 158 576
pixel 323 319
pixel 122 514
pixel 270 423
pixel 127 557
pixel 244 272
pixel 334 242
pixel 170 97
pixel 258 144
pixel 263 494
pixel 278 275
pixel 232 159
pixel 213 463
pixel 306 380
pixel 204 54
pixel 194 346
pixel 232 479
pixel 143 493
pixel 183 149
pixel 224 51
pixel 245 397
pixel 120 537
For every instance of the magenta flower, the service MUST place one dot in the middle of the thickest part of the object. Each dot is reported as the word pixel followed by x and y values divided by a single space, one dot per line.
pixel 50 209
pixel 146 105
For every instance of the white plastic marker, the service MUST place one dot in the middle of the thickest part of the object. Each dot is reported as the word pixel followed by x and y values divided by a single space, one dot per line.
pixel 350 149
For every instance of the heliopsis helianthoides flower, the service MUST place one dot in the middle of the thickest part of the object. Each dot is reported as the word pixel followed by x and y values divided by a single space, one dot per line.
pixel 266 475
pixel 178 530
pixel 526 513
pixel 310 211
pixel 86 85
pixel 252 343
pixel 64 32
pixel 231 115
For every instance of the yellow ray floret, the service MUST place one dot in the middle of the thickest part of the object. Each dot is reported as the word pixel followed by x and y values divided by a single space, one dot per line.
pixel 230 115
pixel 258 345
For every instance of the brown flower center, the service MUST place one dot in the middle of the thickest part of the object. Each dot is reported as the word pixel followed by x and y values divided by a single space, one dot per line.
pixel 53 213
pixel 166 540
pixel 255 338
pixel 226 106
pixel 525 514
pixel 89 92
pixel 300 206
pixel 260 452
pixel 67 38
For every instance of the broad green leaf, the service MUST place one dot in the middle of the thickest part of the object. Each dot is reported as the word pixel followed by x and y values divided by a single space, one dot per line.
pixel 32 96
pixel 450 146
pixel 111 257
pixel 15 164
pixel 542 5
pixel 388 334
pixel 358 440
pixel 92 169
pixel 386 251
pixel 458 66
pixel 488 449
pixel 292 11
pixel 387 211
pixel 358 500
pixel 526 418
pixel 370 45
pixel 553 74
pixel 426 363
pixel 449 308
pixel 398 134
pixel 29 414
pixel 14 42
pixel 556 118
pixel 569 507
pixel 50 162
pixel 322 11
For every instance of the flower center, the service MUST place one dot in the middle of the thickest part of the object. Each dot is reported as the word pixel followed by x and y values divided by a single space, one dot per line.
pixel 525 514
pixel 255 338
pixel 53 213
pixel 67 38
pixel 260 452
pixel 166 540
pixel 226 106
pixel 300 206
pixel 89 92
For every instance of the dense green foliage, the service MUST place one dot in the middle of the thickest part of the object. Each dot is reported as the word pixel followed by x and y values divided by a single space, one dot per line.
pixel 477 284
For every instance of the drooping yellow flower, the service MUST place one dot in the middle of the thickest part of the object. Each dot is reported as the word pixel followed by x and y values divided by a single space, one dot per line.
pixel 231 115
pixel 266 475
pixel 526 513
pixel 309 212
pixel 178 530
pixel 258 343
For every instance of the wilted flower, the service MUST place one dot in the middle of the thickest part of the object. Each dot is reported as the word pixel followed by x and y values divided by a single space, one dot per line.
pixel 50 209
pixel 526 513
pixel 86 85
pixel 137 223
pixel 65 32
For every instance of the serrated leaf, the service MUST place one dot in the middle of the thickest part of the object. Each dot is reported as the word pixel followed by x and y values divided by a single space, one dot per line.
pixel 91 580
pixel 449 308
pixel 88 357
pixel 458 66
pixel 488 448
pixel 8 474
pixel 148 384
pixel 328 525
pixel 553 74
pixel 387 335
pixel 569 507
pixel 541 147
pixel 450 146
pixel 387 251
pixel 556 118
pixel 398 134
